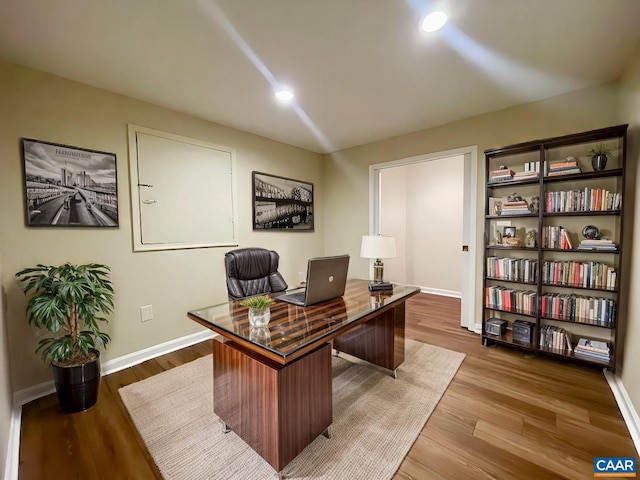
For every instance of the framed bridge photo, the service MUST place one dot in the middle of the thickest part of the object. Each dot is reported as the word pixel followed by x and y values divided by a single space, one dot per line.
pixel 68 186
pixel 281 203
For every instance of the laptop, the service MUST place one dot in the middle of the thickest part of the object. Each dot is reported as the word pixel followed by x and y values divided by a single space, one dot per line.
pixel 326 280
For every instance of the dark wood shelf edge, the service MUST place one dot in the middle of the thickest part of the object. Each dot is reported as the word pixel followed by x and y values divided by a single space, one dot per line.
pixel 532 348
pixel 593 289
pixel 588 213
pixel 519 282
pixel 531 315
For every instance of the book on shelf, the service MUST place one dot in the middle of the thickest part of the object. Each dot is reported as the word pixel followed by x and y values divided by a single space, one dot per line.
pixel 586 200
pixel 502 172
pixel 532 167
pixel 595 346
pixel 564 164
pixel 517 207
pixel 501 175
pixel 593 349
pixel 525 175
pixel 579 309
pixel 590 274
pixel 500 179
pixel 556 238
pixel 563 171
pixel 592 356
pixel 566 167
pixel 555 337
pixel 601 245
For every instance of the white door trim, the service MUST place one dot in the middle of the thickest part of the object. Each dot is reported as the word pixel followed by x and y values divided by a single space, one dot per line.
pixel 469 229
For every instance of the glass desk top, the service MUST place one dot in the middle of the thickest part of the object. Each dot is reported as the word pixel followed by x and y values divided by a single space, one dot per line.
pixel 293 328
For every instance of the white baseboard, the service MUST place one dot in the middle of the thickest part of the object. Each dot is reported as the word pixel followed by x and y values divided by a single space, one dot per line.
pixel 37 391
pixel 13 446
pixel 29 394
pixel 126 361
pixel 629 413
pixel 438 291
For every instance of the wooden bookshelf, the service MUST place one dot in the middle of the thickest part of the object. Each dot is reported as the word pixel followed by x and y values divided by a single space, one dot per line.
pixel 571 201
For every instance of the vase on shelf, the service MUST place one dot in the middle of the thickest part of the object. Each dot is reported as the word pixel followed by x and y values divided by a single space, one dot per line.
pixel 599 162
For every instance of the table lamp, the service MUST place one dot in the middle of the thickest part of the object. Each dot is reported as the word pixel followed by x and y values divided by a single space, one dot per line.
pixel 378 247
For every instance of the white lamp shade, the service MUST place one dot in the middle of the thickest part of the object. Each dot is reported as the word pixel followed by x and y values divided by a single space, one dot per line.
pixel 378 246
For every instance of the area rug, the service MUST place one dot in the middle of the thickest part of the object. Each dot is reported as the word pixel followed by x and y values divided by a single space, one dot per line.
pixel 376 419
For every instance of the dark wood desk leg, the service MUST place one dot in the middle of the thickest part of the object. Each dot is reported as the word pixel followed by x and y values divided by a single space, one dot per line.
pixel 379 341
pixel 276 409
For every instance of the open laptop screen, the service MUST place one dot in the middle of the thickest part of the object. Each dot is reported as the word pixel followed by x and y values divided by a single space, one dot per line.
pixel 326 280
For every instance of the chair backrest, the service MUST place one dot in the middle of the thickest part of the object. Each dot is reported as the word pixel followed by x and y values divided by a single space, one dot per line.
pixel 252 271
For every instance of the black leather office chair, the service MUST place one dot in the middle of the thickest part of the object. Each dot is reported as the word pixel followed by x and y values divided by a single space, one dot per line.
pixel 252 271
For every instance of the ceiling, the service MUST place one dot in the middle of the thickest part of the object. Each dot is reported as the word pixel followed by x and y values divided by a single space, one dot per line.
pixel 361 70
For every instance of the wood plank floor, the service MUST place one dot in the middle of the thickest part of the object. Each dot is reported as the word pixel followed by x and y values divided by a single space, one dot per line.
pixel 504 416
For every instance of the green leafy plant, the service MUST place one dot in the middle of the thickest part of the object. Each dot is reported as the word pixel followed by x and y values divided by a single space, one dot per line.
pixel 68 301
pixel 261 302
pixel 600 149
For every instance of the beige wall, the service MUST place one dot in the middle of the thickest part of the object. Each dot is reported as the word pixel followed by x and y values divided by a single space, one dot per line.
pixel 630 106
pixel 346 172
pixel 45 107
pixel 422 205
pixel 6 394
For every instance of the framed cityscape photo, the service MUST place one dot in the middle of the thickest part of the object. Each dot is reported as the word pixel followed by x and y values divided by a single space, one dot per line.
pixel 68 186
pixel 281 203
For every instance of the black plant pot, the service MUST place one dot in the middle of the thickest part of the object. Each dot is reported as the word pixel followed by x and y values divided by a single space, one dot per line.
pixel 77 386
pixel 599 162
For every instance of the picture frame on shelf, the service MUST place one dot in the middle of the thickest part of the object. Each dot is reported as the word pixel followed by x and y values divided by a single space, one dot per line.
pixel 495 206
pixel 281 203
pixel 68 186
pixel 509 232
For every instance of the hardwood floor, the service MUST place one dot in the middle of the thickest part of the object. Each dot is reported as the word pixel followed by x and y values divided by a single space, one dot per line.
pixel 505 415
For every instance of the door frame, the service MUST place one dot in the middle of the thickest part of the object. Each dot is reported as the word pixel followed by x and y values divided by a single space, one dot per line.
pixel 469 227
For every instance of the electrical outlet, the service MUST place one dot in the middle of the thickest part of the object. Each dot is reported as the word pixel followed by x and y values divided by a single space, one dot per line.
pixel 146 313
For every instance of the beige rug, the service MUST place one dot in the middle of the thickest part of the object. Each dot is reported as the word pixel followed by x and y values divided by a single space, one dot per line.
pixel 376 419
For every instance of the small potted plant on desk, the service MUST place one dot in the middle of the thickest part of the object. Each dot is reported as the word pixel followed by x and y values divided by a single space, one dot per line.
pixel 69 301
pixel 259 310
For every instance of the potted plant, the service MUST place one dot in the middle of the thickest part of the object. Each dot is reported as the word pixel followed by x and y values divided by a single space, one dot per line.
pixel 599 156
pixel 69 301
pixel 259 311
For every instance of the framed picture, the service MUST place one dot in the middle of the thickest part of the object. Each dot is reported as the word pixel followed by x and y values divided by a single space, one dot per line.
pixel 281 203
pixel 509 232
pixel 68 186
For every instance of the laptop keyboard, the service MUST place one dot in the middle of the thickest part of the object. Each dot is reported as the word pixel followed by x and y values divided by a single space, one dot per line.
pixel 294 298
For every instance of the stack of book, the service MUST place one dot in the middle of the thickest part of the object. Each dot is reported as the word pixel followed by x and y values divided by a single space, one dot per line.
pixel 518 207
pixel 501 175
pixel 525 175
pixel 600 245
pixel 593 349
pixel 566 167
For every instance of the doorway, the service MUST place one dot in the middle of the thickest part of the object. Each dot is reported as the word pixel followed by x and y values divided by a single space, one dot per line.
pixel 464 242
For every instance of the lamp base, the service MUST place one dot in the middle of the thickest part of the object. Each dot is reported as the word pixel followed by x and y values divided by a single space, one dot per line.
pixel 378 270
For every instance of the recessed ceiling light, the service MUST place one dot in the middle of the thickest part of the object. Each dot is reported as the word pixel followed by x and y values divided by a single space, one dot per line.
pixel 434 21
pixel 284 95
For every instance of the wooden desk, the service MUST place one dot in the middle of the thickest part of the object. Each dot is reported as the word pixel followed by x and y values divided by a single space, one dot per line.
pixel 272 386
